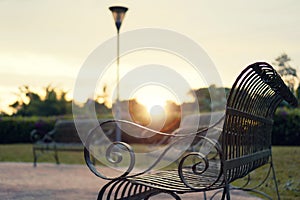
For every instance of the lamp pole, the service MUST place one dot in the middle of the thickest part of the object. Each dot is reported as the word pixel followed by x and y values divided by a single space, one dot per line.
pixel 118 13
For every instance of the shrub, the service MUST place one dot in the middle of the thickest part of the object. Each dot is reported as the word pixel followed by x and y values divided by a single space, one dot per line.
pixel 286 130
pixel 17 129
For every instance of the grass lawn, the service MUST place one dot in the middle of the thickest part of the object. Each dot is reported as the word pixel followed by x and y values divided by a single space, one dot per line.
pixel 287 166
pixel 23 153
pixel 286 161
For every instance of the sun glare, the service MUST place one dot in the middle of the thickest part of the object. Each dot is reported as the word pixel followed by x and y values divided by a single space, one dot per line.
pixel 154 96
pixel 151 102
pixel 162 111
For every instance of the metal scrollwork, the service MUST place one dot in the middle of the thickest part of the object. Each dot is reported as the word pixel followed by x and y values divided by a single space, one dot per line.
pixel 195 167
pixel 272 78
pixel 114 155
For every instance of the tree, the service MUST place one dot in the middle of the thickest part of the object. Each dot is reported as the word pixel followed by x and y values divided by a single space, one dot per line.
pixel 206 95
pixel 298 93
pixel 32 103
pixel 288 73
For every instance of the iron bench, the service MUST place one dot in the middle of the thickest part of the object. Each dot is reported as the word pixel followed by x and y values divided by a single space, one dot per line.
pixel 244 145
pixel 63 137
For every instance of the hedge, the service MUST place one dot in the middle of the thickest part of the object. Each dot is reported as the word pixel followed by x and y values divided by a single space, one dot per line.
pixel 17 129
pixel 286 130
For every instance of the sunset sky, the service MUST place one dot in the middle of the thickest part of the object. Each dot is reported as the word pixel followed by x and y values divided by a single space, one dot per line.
pixel 46 42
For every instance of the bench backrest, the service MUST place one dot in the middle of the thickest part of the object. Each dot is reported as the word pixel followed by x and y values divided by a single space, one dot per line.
pixel 65 131
pixel 246 136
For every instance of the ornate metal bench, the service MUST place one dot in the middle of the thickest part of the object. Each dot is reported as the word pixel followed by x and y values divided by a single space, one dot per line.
pixel 244 145
pixel 63 137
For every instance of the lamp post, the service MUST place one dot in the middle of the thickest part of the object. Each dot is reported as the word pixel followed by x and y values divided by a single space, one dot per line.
pixel 118 13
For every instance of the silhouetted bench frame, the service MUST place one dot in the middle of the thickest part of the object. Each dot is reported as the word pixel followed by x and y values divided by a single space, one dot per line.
pixel 63 137
pixel 244 145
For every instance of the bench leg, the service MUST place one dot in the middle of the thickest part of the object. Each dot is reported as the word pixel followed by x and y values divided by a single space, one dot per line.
pixel 34 157
pixel 56 156
pixel 226 192
pixel 274 179
pixel 204 195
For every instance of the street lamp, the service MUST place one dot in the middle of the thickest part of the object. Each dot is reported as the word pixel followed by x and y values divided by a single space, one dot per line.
pixel 118 13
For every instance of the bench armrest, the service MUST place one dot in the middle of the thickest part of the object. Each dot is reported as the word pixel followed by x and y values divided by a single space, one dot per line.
pixel 202 164
pixel 114 157
pixel 36 135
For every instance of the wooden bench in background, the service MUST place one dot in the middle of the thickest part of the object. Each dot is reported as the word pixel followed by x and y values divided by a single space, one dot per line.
pixel 244 145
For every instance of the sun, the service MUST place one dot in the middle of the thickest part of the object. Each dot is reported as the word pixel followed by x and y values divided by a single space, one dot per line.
pixel 151 102
pixel 160 109
pixel 154 97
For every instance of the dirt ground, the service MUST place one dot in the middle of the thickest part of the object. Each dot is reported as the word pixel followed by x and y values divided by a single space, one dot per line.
pixel 21 181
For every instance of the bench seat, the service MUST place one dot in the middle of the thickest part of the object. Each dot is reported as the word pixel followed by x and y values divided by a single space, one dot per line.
pixel 170 180
pixel 58 146
pixel 63 137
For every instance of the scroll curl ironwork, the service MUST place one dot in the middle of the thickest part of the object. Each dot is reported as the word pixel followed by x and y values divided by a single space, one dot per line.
pixel 113 155
pixel 198 169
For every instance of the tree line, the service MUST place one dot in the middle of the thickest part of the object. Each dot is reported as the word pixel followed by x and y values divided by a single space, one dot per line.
pixel 55 103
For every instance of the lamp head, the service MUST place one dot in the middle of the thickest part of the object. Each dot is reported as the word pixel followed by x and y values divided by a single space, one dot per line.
pixel 118 14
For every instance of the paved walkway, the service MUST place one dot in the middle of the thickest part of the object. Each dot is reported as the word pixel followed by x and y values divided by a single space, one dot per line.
pixel 21 181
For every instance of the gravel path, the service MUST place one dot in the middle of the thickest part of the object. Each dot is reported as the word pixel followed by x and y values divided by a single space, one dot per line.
pixel 21 181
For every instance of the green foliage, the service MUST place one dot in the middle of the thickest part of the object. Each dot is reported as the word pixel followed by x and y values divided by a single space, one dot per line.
pixel 92 105
pixel 298 94
pixel 287 72
pixel 284 68
pixel 204 96
pixel 286 129
pixel 17 129
pixel 54 103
